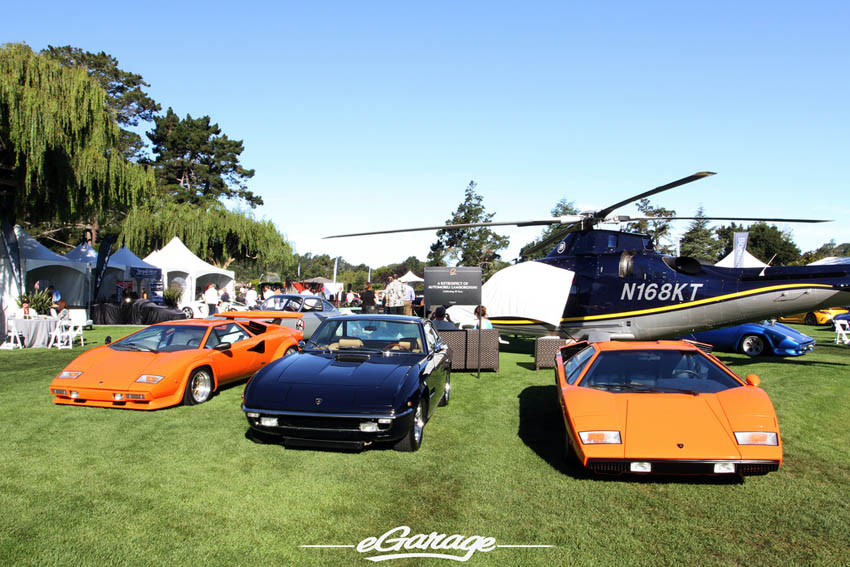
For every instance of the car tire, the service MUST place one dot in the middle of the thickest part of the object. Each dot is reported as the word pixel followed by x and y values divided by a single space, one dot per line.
pixel 444 401
pixel 810 319
pixel 199 387
pixel 189 312
pixel 413 440
pixel 290 350
pixel 752 345
pixel 569 455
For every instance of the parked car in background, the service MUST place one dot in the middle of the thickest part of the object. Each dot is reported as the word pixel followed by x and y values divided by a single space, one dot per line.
pixel 754 339
pixel 360 379
pixel 819 317
pixel 314 310
pixel 199 309
pixel 172 362
pixel 840 317
pixel 663 407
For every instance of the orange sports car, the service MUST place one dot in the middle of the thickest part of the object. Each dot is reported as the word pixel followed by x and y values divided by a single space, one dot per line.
pixel 665 407
pixel 175 361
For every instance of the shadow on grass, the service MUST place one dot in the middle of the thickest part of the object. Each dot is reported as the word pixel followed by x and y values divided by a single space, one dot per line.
pixel 797 361
pixel 541 428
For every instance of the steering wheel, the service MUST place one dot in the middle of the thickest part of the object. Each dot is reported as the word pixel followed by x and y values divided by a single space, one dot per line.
pixel 395 346
pixel 692 373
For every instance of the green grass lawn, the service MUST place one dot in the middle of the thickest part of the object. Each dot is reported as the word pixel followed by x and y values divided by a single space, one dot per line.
pixel 184 486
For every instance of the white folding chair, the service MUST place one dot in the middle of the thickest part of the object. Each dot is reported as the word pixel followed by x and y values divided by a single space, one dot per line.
pixel 78 323
pixel 13 336
pixel 61 336
pixel 842 331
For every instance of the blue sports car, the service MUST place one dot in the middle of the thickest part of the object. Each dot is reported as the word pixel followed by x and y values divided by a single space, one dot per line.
pixel 753 339
pixel 359 379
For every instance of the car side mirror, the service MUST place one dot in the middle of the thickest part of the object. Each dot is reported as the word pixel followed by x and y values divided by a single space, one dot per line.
pixel 753 380
pixel 222 346
pixel 302 344
pixel 107 340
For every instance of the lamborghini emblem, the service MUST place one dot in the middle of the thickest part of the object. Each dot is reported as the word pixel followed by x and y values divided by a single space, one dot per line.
pixel 318 401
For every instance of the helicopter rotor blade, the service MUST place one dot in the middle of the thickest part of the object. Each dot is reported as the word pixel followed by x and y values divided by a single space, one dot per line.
pixel 689 179
pixel 566 219
pixel 626 218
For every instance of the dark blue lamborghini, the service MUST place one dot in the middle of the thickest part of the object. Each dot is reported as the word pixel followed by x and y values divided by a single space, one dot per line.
pixel 359 379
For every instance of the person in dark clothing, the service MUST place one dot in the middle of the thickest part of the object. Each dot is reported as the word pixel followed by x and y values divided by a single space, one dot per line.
pixel 367 297
pixel 440 322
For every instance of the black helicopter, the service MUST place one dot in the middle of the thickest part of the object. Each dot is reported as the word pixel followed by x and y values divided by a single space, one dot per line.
pixel 622 288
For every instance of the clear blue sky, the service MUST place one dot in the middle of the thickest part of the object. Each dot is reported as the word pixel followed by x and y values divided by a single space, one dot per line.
pixel 376 115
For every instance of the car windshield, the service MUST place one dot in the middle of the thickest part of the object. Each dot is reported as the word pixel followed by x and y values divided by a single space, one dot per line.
pixel 367 334
pixel 657 371
pixel 163 338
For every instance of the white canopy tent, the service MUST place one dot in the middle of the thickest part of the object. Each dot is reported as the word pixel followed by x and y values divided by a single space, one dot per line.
pixel 410 277
pixel 748 261
pixel 182 268
pixel 84 253
pixel 832 261
pixel 123 265
pixel 39 264
pixel 513 292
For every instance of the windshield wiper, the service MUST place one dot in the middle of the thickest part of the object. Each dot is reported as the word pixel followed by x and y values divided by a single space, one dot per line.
pixel 623 387
pixel 138 347
pixel 676 390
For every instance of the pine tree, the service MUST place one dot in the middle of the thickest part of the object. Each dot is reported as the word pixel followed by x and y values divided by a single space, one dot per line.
pixel 476 246
pixel 700 241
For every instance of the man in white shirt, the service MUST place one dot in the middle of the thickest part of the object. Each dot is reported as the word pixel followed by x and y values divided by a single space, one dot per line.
pixel 251 298
pixel 395 296
pixel 211 299
pixel 409 297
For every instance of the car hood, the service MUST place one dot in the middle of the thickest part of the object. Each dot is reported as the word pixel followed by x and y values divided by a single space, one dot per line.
pixel 784 331
pixel 104 367
pixel 320 382
pixel 678 426
pixel 672 425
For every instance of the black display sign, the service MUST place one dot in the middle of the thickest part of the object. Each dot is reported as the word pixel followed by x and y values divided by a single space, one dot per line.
pixel 453 286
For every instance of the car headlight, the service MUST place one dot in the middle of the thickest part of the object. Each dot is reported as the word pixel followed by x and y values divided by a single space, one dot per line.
pixel 595 437
pixel 70 374
pixel 756 438
pixel 149 379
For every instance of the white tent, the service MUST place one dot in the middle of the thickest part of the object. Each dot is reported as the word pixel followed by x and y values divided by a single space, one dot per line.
pixel 832 261
pixel 181 267
pixel 513 292
pixel 748 260
pixel 410 277
pixel 123 265
pixel 38 263
pixel 83 253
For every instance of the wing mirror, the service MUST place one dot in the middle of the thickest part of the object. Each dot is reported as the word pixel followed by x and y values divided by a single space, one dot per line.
pixel 753 380
pixel 222 346
pixel 107 340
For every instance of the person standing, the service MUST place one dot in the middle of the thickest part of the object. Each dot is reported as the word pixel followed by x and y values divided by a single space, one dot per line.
pixel 367 297
pixel 395 296
pixel 251 298
pixel 409 297
pixel 211 299
pixel 225 300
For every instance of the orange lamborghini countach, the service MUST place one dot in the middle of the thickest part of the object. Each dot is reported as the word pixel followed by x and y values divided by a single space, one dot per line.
pixel 175 361
pixel 663 407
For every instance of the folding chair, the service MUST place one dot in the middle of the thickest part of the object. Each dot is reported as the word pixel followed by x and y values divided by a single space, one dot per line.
pixel 842 331
pixel 13 336
pixel 61 336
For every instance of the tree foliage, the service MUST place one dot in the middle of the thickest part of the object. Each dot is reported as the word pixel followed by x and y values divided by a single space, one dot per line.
pixel 699 241
pixel 214 234
pixel 658 230
pixel 766 242
pixel 197 164
pixel 477 246
pixel 59 155
pixel 563 207
pixel 826 250
pixel 125 98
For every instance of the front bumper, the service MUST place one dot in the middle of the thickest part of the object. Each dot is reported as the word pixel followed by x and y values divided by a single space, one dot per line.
pixel 68 394
pixel 330 428
pixel 742 467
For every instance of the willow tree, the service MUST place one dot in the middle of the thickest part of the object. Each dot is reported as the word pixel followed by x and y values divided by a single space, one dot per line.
pixel 213 233
pixel 58 143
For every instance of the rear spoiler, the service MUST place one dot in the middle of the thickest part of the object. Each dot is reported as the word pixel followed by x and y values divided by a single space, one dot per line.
pixel 262 315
